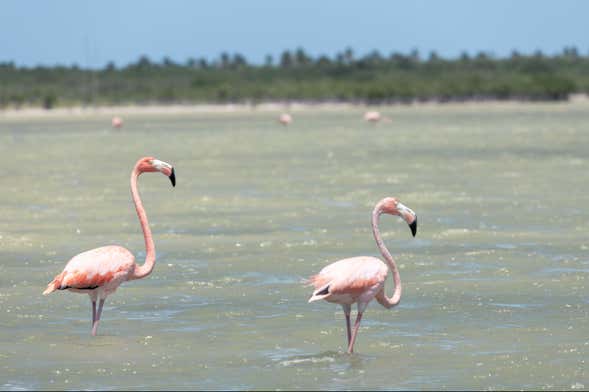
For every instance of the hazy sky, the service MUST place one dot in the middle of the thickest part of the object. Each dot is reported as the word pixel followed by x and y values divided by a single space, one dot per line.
pixel 91 33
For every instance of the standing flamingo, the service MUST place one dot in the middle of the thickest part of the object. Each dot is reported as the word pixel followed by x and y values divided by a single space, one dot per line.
pixel 98 272
pixel 360 279
pixel 285 119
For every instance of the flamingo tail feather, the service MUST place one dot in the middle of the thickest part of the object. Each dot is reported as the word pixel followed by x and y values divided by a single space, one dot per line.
pixel 53 285
pixel 50 288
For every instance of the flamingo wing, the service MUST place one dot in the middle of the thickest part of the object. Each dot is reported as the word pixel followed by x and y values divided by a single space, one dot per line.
pixel 94 268
pixel 345 280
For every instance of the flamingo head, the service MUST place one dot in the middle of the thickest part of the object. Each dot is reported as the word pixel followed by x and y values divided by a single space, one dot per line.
pixel 392 206
pixel 150 164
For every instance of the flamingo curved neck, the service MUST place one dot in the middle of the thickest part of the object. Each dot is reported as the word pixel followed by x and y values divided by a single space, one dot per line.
pixel 142 271
pixel 396 298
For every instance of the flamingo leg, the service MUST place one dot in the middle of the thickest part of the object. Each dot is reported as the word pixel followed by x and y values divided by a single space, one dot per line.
pixel 355 332
pixel 95 323
pixel 93 312
pixel 347 311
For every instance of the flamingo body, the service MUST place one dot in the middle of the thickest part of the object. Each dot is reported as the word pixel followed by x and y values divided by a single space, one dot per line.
pixel 117 122
pixel 372 116
pixel 347 281
pixel 97 272
pixel 285 119
pixel 375 117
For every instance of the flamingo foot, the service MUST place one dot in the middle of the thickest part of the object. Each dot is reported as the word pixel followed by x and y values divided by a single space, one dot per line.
pixel 351 348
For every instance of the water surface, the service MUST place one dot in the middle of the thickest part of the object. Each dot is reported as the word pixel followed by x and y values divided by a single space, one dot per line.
pixel 495 292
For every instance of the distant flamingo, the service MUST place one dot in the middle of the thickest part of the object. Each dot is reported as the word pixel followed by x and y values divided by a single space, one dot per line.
pixel 374 117
pixel 360 279
pixel 285 119
pixel 98 272
pixel 117 122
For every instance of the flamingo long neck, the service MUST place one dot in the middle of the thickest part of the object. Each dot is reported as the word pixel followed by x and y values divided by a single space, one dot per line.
pixel 396 298
pixel 142 271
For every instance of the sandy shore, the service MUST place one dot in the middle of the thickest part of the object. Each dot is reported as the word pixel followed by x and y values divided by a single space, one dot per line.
pixel 580 100
pixel 170 109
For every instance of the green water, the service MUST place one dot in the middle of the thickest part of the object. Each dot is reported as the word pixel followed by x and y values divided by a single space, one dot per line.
pixel 495 282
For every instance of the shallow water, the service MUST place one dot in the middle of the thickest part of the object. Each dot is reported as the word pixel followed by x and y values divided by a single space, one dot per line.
pixel 495 292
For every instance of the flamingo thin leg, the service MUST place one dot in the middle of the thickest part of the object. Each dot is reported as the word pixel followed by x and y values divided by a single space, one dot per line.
pixel 355 332
pixel 347 311
pixel 93 312
pixel 95 324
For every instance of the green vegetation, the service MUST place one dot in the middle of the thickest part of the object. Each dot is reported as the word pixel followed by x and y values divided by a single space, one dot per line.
pixel 296 76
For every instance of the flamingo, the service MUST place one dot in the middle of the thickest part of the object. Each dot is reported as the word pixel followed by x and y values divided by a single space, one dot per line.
pixel 360 279
pixel 117 122
pixel 285 119
pixel 374 117
pixel 100 271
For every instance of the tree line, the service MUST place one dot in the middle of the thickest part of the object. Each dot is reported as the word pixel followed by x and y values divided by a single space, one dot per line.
pixel 294 75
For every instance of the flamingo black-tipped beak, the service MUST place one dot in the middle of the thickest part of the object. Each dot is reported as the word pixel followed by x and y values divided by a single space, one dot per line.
pixel 409 216
pixel 413 227
pixel 172 178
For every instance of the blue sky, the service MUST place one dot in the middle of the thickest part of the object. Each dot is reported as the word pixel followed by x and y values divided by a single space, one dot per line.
pixel 91 33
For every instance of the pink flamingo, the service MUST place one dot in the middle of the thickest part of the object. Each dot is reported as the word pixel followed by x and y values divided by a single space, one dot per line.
pixel 117 122
pixel 98 272
pixel 285 119
pixel 360 279
pixel 374 117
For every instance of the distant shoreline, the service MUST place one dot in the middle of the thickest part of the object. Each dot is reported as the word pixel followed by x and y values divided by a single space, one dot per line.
pixel 269 107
